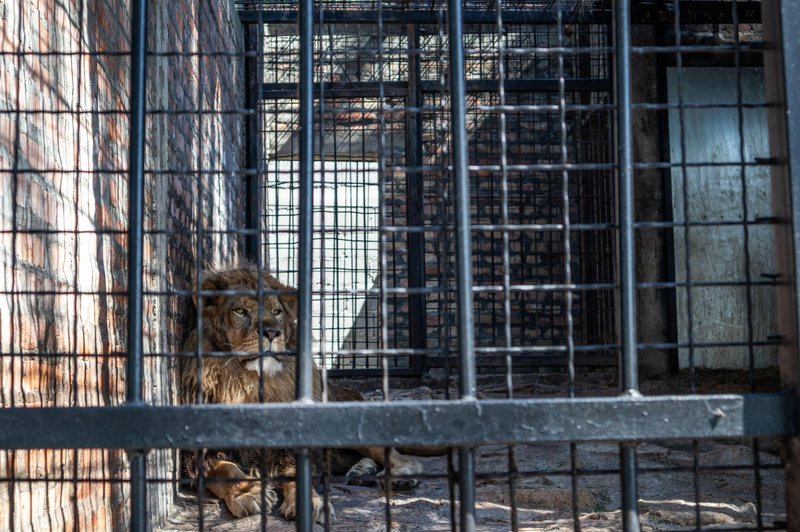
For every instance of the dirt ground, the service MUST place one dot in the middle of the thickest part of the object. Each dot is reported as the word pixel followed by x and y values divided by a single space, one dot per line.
pixel 543 490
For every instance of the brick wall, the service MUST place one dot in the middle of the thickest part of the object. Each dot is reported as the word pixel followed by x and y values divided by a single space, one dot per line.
pixel 64 73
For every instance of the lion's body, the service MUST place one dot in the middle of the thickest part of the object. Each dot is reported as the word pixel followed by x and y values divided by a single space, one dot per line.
pixel 260 368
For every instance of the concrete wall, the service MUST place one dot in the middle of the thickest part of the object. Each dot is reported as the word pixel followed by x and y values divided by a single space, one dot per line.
pixel 722 314
pixel 63 216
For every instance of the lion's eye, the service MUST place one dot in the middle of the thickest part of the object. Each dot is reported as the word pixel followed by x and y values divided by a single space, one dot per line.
pixel 239 311
pixel 277 311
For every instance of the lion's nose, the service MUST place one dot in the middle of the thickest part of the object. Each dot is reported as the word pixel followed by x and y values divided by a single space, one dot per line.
pixel 271 333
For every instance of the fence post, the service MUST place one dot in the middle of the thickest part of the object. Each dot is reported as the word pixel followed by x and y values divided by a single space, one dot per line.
pixel 781 25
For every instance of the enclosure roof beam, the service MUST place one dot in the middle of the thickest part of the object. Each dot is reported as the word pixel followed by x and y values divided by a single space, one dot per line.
pixel 428 422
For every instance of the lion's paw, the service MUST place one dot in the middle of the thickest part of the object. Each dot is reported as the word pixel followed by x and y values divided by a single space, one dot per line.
pixel 248 501
pixel 363 473
pixel 319 512
pixel 402 476
pixel 289 508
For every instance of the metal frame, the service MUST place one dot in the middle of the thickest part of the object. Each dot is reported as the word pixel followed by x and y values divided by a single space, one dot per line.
pixel 464 422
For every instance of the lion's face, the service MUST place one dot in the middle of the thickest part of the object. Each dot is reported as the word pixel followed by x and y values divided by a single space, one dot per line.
pixel 246 329
pixel 234 322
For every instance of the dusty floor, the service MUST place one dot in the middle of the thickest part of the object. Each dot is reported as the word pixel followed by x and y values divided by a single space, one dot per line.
pixel 543 488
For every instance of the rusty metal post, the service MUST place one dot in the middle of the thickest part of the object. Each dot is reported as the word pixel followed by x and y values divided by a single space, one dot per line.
pixel 781 23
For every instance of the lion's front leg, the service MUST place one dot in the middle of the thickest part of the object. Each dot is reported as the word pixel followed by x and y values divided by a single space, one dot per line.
pixel 243 497
pixel 289 507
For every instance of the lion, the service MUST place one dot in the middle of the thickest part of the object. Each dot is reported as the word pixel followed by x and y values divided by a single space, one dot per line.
pixel 232 324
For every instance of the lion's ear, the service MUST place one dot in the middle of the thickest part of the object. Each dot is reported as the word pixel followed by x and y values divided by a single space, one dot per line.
pixel 288 300
pixel 209 300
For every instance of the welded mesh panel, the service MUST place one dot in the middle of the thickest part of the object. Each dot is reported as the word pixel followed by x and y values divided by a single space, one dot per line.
pixel 532 203
pixel 347 199
pixel 625 345
pixel 348 62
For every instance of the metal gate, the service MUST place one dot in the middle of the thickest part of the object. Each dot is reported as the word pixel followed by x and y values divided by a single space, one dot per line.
pixel 471 192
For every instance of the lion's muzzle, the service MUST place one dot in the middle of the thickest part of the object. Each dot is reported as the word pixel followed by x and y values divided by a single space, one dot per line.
pixel 270 333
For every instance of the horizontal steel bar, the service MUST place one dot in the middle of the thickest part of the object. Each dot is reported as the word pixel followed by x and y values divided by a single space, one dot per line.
pixel 495 361
pixel 537 354
pixel 367 89
pixel 453 423
pixel 698 12
pixel 695 12
pixel 429 228
pixel 413 16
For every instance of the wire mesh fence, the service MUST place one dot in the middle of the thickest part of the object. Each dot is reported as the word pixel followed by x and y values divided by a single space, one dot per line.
pixel 542 250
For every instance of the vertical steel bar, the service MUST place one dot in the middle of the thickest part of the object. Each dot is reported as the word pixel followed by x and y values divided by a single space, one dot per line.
pixel 629 370
pixel 630 510
pixel 253 180
pixel 200 241
pixel 254 246
pixel 443 247
pixel 414 193
pixel 567 247
pixel 323 316
pixel 138 491
pixel 136 200
pixel 757 488
pixel 505 217
pixel 306 125
pixel 628 365
pixel 466 343
pixel 305 242
pixel 383 250
pixel 782 71
pixel 136 247
pixel 461 177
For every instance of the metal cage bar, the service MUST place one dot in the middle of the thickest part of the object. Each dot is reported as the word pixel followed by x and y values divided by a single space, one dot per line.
pixel 135 368
pixel 440 422
pixel 415 194
pixel 781 30
pixel 466 341
pixel 695 12
pixel 254 40
pixel 305 361
pixel 627 268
